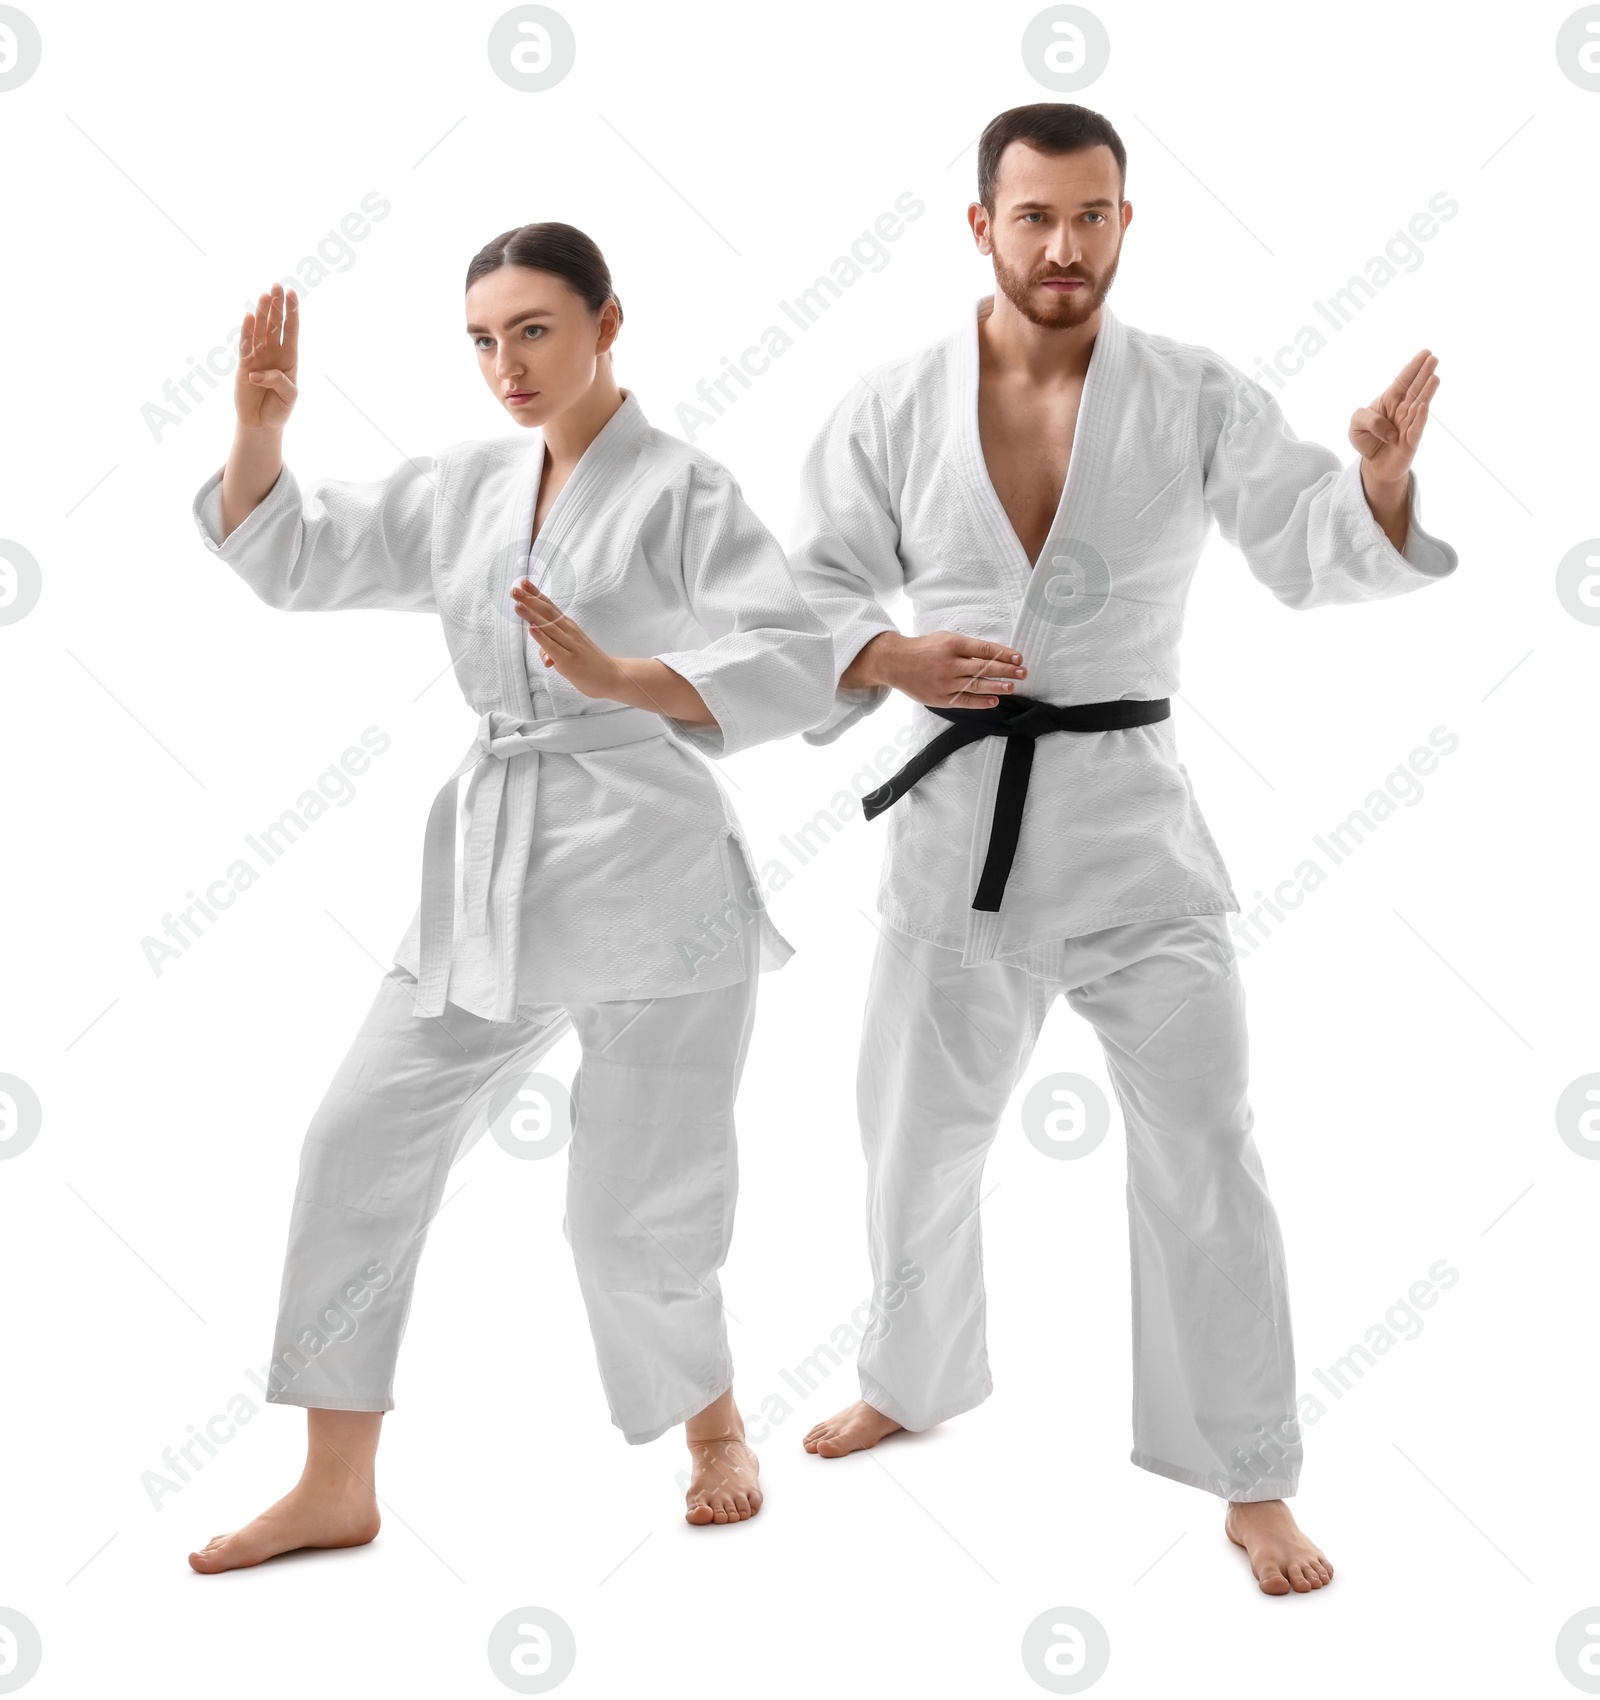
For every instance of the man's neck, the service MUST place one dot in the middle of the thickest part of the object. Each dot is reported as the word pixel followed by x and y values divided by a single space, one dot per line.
pixel 1010 344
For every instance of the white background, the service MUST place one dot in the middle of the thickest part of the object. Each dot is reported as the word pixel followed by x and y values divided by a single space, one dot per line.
pixel 1412 1025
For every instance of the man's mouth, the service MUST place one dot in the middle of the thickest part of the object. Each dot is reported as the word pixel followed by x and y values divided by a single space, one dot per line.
pixel 1063 285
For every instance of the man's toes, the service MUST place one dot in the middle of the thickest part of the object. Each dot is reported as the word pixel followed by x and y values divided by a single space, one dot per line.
pixel 1272 1580
pixel 699 1512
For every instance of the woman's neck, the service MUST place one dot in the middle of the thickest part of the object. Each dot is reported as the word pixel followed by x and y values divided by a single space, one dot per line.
pixel 570 433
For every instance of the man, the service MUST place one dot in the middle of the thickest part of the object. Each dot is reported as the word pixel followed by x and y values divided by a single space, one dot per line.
pixel 1040 485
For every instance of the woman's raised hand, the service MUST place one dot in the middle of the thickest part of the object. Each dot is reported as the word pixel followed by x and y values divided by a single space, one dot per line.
pixel 264 388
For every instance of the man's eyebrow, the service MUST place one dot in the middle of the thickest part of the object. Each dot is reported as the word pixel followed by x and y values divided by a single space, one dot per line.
pixel 1044 206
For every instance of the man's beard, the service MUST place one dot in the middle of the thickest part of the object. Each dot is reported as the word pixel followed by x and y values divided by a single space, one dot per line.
pixel 1064 311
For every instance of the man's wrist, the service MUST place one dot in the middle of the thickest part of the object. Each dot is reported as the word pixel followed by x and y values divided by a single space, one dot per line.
pixel 1391 493
pixel 865 672
pixel 258 436
pixel 1390 506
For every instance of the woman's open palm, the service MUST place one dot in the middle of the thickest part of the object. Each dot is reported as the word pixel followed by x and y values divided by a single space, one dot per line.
pixel 264 387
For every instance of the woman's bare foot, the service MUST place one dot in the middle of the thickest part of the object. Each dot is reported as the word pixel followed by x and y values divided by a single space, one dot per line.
pixel 724 1477
pixel 333 1504
pixel 1281 1558
pixel 853 1429
pixel 304 1517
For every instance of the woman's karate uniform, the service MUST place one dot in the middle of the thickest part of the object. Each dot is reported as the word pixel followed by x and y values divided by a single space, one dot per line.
pixel 1117 893
pixel 604 885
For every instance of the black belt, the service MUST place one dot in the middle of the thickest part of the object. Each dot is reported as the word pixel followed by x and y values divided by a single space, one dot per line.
pixel 1022 720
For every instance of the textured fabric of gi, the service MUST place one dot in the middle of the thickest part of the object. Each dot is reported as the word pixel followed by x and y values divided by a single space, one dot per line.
pixel 652 1173
pixel 944 1045
pixel 895 496
pixel 588 873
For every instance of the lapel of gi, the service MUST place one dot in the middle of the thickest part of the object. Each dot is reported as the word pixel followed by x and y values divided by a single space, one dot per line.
pixel 521 779
pixel 1027 584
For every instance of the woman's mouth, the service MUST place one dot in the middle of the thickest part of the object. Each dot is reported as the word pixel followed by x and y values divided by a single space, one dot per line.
pixel 518 398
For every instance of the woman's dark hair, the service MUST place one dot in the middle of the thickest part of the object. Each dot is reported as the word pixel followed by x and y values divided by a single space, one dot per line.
pixel 1051 126
pixel 560 249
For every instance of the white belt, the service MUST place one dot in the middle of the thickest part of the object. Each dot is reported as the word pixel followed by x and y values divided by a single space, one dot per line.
pixel 500 737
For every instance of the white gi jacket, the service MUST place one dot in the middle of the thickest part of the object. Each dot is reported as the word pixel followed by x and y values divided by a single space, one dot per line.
pixel 596 842
pixel 895 495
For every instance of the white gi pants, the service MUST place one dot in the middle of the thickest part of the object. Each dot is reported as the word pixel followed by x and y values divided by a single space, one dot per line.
pixel 943 1047
pixel 652 1175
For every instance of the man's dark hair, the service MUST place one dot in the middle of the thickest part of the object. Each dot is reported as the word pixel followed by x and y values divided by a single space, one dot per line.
pixel 1051 126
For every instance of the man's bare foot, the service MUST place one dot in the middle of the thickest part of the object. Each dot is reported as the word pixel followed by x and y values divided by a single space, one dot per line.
pixel 853 1429
pixel 1282 1559
pixel 334 1504
pixel 724 1476
pixel 307 1516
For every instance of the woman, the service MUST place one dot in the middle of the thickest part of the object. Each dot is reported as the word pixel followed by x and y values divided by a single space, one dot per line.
pixel 611 606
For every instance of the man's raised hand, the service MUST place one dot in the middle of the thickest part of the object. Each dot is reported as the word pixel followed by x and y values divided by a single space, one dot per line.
pixel 1387 433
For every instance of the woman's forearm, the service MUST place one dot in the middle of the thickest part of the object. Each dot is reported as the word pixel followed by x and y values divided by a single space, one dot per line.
pixel 653 685
pixel 254 462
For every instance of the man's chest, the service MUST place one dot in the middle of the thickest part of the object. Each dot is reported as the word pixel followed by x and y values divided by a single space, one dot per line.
pixel 1027 440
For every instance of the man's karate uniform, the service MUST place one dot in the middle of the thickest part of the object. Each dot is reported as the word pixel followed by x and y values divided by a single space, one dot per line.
pixel 1117 893
pixel 604 885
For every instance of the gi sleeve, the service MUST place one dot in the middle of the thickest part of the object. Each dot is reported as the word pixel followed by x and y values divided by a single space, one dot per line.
pixel 846 548
pixel 341 545
pixel 1299 518
pixel 767 671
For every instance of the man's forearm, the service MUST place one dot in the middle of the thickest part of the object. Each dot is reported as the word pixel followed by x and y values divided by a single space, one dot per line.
pixel 865 672
pixel 1391 507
